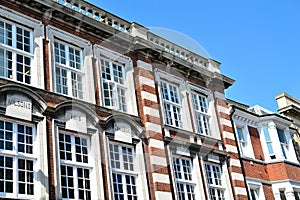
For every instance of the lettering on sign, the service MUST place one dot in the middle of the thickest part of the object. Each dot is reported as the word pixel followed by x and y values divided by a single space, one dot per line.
pixel 76 121
pixel 122 132
pixel 19 106
pixel 122 127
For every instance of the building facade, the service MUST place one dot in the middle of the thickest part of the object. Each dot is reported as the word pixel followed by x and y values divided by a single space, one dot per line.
pixel 96 107
pixel 268 151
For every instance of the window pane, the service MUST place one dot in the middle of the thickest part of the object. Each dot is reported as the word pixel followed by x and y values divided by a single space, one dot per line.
pixel 6 179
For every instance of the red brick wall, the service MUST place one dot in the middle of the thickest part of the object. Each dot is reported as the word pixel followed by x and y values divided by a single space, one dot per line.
pixel 255 140
pixel 281 171
pixel 256 170
pixel 268 192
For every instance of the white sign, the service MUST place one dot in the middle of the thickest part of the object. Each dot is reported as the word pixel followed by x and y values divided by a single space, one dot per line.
pixel 18 106
pixel 76 121
pixel 122 132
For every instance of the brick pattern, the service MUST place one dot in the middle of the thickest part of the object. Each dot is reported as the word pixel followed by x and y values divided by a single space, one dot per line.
pixel 50 152
pixel 268 192
pixel 156 159
pixel 234 166
pixel 255 141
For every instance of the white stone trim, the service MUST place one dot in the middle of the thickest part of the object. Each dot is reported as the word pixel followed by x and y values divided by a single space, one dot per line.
pixel 240 191
pixel 237 176
pixel 149 96
pixel 223 109
pixel 146 81
pixel 231 148
pixel 220 95
pixel 144 65
pixel 153 127
pixel 156 143
pixel 163 195
pixel 228 135
pixel 18 17
pixel 234 162
pixel 225 122
pixel 161 178
pixel 156 160
pixel 151 111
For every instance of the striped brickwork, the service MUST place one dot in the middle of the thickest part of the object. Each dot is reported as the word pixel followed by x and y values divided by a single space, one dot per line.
pixel 156 158
pixel 235 168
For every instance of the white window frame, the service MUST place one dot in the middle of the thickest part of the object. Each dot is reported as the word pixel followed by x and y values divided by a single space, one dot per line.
pixel 202 124
pixel 185 182
pixel 70 71
pixel 116 99
pixel 283 144
pixel 268 140
pixel 219 188
pixel 55 34
pixel 37 33
pixel 242 141
pixel 15 52
pixel 170 118
pixel 282 192
pixel 102 53
pixel 75 164
pixel 254 193
pixel 296 193
pixel 16 156
pixel 122 171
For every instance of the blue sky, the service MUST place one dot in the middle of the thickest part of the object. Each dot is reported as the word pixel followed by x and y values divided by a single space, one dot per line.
pixel 257 41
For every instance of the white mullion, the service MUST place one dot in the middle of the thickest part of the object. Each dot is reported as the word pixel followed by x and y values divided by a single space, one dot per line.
pixel 121 157
pixel 112 84
pixel 68 69
pixel 124 186
pixel 73 149
pixel 31 41
pixel 81 59
pixel 15 173
pixel 14 54
pixel 15 136
pixel 75 182
pixel 185 190
pixel 14 35
pixel 171 105
pixel 14 65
